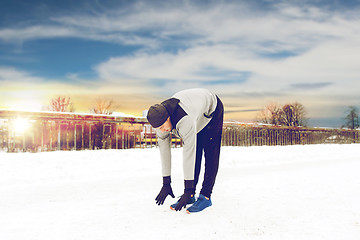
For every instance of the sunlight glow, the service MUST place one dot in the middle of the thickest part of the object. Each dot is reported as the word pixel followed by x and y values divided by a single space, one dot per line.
pixel 20 125
pixel 24 100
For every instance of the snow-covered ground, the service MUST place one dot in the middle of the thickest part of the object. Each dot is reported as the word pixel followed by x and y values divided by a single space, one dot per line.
pixel 282 192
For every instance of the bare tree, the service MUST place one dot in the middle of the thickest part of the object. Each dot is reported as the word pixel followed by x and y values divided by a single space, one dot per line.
pixel 61 104
pixel 102 106
pixel 352 119
pixel 300 114
pixel 291 114
pixel 270 114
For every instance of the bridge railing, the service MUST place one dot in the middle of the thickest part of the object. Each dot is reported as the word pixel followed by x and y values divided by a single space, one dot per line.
pixel 49 131
pixel 237 134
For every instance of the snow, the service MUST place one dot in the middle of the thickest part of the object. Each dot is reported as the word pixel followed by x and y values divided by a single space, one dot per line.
pixel 121 114
pixel 277 192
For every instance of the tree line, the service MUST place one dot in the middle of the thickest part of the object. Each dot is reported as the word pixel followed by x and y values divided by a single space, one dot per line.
pixel 294 115
pixel 64 104
pixel 289 114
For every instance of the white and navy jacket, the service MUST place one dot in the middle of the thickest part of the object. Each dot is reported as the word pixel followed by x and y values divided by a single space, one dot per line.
pixel 190 111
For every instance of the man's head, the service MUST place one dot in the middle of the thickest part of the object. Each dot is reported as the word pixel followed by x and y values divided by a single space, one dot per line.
pixel 166 126
pixel 159 118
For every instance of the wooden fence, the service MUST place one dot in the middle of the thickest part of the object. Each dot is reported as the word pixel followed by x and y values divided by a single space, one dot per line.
pixel 235 134
pixel 48 131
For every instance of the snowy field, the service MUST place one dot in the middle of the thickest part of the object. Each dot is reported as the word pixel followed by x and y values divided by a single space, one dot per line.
pixel 282 192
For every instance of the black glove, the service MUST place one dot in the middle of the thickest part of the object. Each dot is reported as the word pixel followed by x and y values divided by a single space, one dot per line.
pixel 165 191
pixel 188 192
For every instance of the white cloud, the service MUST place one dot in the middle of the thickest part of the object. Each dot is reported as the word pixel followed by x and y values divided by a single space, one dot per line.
pixel 189 24
pixel 35 32
pixel 234 37
pixel 225 36
pixel 9 74
pixel 331 62
pixel 188 65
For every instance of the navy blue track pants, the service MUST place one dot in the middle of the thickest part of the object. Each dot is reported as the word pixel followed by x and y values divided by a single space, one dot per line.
pixel 209 143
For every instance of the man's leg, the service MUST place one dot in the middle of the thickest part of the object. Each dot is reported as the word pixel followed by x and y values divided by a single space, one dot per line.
pixel 211 139
pixel 212 146
pixel 199 154
pixel 212 155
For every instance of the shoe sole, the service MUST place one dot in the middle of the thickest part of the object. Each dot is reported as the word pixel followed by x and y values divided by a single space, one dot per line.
pixel 187 211
pixel 174 208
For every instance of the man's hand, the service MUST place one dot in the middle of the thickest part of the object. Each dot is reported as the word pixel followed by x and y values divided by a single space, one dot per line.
pixel 183 201
pixel 188 193
pixel 165 191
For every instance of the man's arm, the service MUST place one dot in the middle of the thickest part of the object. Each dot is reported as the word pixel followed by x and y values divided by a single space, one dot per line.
pixel 165 152
pixel 187 131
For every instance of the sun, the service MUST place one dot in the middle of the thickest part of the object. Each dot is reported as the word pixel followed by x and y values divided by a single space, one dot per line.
pixel 21 125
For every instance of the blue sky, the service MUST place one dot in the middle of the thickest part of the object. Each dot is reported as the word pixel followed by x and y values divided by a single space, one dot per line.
pixel 250 53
